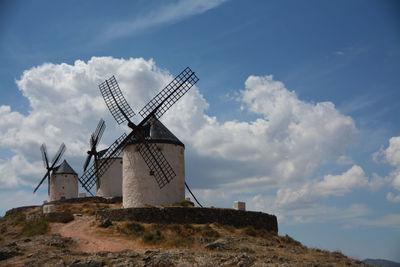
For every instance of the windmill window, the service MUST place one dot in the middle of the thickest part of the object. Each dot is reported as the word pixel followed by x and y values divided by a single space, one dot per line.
pixel 151 173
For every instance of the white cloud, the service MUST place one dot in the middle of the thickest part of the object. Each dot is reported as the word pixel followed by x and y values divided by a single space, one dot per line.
pixel 393 151
pixel 392 155
pixel 344 160
pixel 271 158
pixel 165 14
pixel 65 106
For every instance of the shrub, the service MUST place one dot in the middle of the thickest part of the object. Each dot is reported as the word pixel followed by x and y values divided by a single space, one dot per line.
pixel 35 227
pixel 184 203
pixel 179 242
pixel 288 240
pixel 19 218
pixel 153 237
pixel 229 228
pixel 176 228
pixel 3 229
pixel 207 231
pixel 249 230
pixel 132 228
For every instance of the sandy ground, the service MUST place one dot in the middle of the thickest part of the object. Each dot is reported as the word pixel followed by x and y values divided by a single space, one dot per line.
pixel 89 242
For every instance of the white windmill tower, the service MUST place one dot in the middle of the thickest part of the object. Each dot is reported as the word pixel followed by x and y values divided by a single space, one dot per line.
pixel 62 180
pixel 109 183
pixel 153 168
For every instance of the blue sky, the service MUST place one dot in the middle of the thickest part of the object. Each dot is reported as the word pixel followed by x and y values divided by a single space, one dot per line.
pixel 296 110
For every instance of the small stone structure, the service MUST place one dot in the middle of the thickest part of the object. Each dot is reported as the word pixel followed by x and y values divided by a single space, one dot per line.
pixel 63 182
pixel 238 205
pixel 48 208
pixel 184 215
pixel 110 183
pixel 139 188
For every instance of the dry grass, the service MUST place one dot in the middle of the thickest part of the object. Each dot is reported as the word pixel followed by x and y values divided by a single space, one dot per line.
pixel 18 224
pixel 86 208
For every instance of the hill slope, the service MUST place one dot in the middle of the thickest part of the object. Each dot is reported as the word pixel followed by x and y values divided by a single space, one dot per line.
pixel 26 238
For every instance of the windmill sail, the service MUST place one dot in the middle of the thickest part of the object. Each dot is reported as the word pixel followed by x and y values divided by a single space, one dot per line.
pixel 88 178
pixel 170 94
pixel 115 100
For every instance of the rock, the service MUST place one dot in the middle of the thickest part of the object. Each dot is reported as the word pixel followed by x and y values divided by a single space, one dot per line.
pixel 94 261
pixel 220 244
pixel 102 253
pixel 129 253
pixel 246 250
pixel 12 233
pixel 105 223
pixel 6 253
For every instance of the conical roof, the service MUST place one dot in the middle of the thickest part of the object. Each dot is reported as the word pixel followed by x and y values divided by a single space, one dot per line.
pixel 64 168
pixel 159 133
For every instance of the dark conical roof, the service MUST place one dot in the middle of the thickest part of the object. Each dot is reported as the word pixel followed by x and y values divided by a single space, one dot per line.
pixel 159 133
pixel 64 168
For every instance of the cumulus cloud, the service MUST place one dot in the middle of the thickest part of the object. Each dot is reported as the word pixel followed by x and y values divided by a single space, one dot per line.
pixel 272 158
pixel 65 106
pixel 392 155
pixel 314 190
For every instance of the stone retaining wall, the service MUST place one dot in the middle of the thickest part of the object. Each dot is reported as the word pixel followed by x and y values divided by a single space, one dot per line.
pixel 183 215
pixel 87 199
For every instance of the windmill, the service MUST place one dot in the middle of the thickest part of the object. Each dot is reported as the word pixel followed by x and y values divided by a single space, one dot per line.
pixel 94 141
pixel 157 164
pixel 49 167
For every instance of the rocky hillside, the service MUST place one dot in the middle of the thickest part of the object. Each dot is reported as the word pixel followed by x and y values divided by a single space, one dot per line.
pixel 73 237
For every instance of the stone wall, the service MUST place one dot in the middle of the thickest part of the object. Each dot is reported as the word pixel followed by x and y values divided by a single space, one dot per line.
pixel 183 215
pixel 88 199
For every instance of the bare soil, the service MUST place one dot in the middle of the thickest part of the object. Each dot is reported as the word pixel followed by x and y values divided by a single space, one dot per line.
pixel 87 241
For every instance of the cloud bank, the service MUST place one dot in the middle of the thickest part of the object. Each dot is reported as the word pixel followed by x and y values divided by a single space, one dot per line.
pixel 269 162
pixel 392 155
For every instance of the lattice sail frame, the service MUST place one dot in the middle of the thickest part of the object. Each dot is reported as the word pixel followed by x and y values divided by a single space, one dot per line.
pixel 170 94
pixel 157 163
pixel 98 133
pixel 54 161
pixel 113 95
pixel 97 169
pixel 58 155
pixel 121 111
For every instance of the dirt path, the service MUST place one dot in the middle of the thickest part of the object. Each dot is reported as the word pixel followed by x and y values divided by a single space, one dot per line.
pixel 88 242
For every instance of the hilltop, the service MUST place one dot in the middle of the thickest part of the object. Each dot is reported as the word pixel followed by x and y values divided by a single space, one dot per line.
pixel 72 236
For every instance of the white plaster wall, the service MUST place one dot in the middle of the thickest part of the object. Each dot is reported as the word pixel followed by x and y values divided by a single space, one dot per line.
pixel 63 186
pixel 111 181
pixel 140 188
